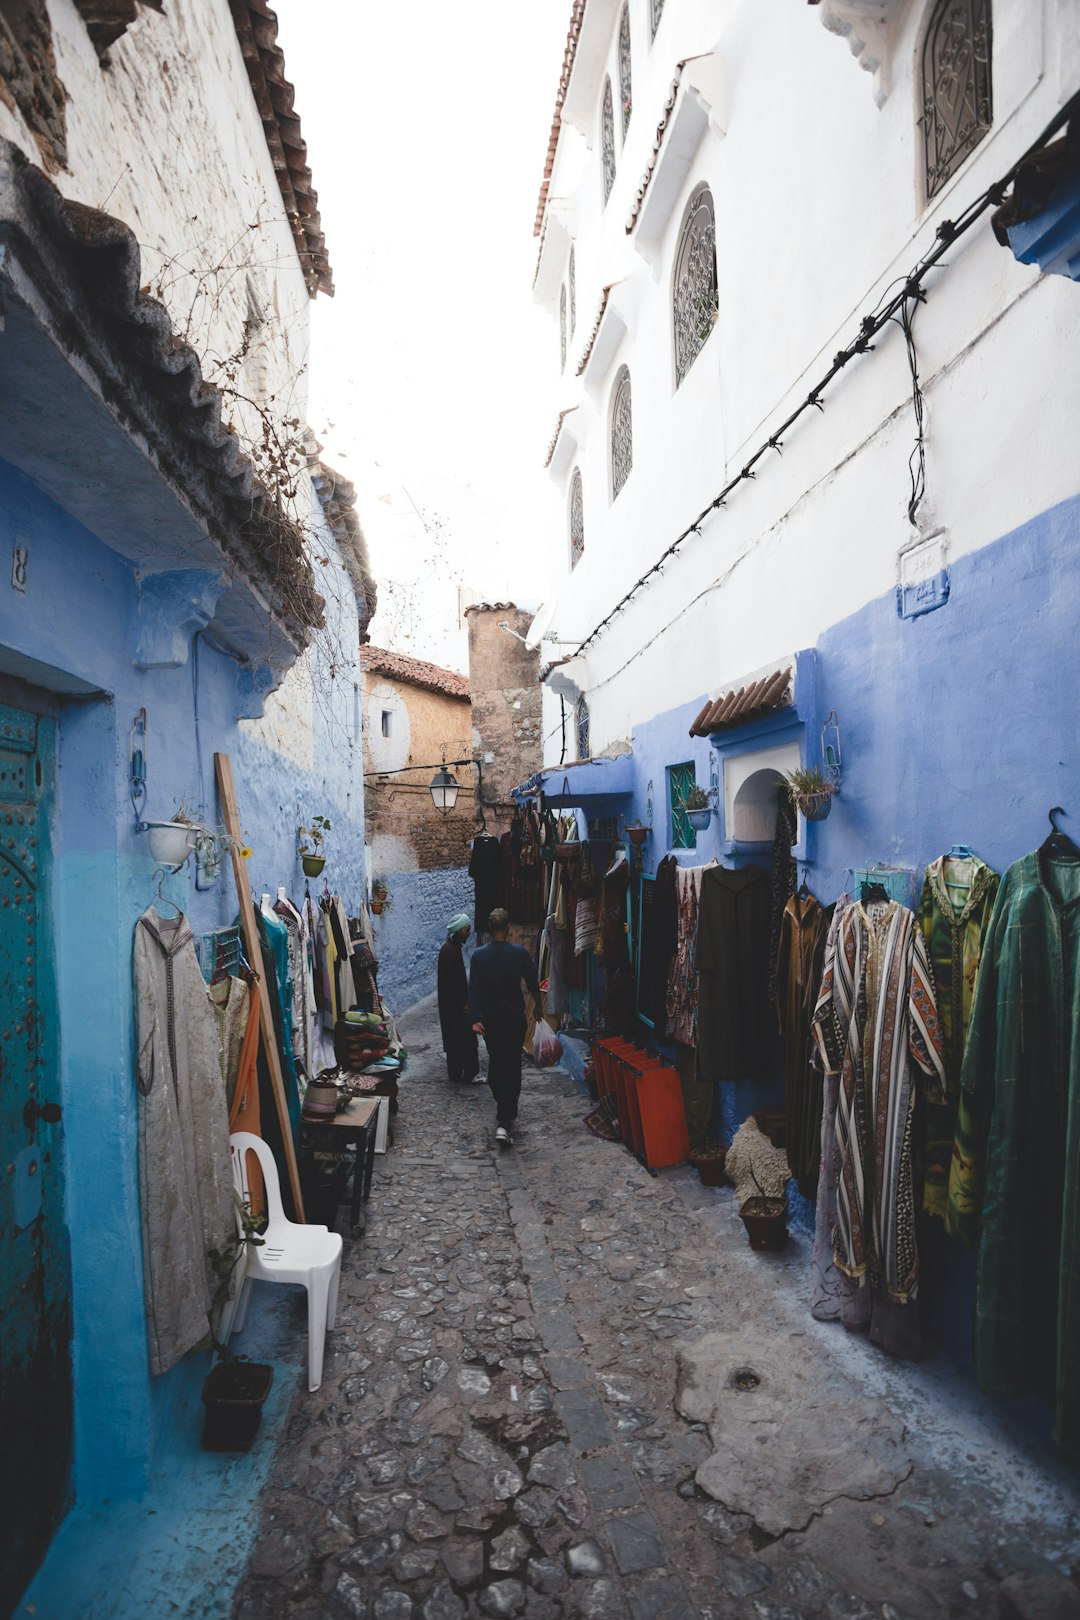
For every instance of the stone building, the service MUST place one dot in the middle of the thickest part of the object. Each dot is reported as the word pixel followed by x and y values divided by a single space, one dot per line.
pixel 415 715
pixel 504 680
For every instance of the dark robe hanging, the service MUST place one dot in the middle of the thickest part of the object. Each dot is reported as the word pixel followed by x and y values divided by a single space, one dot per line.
pixel 732 961
pixel 485 869
pixel 798 975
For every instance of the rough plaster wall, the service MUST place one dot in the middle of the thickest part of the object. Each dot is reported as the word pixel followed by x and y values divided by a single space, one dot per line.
pixel 506 700
pixel 168 139
pixel 408 937
pixel 400 809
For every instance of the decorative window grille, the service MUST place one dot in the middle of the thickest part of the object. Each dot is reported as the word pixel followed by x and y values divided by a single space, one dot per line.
pixel 694 295
pixel 625 88
pixel 607 140
pixel 956 88
pixel 622 437
pixel 657 9
pixel 573 293
pixel 681 779
pixel 581 726
pixel 562 328
pixel 577 521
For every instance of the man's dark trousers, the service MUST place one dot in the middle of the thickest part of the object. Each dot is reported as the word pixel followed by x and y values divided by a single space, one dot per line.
pixel 504 1040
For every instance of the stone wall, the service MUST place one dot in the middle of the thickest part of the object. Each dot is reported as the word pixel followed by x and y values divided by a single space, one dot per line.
pixel 405 832
pixel 408 936
pixel 506 702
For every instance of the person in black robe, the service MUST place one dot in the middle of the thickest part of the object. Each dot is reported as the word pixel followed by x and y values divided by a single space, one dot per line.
pixel 459 1038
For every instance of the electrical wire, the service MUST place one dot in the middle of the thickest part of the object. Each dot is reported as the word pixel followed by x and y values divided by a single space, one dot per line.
pixel 898 308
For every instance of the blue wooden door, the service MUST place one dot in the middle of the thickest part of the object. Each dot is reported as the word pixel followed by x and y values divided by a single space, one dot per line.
pixel 35 1271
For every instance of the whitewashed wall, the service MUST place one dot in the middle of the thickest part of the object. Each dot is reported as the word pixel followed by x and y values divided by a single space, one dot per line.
pixel 819 209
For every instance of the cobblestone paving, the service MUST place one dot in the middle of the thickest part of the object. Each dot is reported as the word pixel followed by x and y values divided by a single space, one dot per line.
pixel 496 1432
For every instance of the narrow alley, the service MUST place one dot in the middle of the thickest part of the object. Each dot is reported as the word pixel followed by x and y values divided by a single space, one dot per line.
pixel 498 1429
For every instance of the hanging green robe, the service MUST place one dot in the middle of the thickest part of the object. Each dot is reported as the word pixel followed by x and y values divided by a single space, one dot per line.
pixel 957 901
pixel 1021 1084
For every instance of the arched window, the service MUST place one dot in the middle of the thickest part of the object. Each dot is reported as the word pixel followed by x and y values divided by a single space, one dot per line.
pixel 577 521
pixel 607 140
pixel 625 87
pixel 622 438
pixel 562 327
pixel 581 728
pixel 657 8
pixel 957 105
pixel 694 300
pixel 573 293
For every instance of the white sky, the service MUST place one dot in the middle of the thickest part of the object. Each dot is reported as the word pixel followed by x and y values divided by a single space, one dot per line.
pixel 427 125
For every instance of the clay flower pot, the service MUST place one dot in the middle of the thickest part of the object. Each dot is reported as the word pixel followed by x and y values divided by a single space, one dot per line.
pixel 765 1220
pixel 377 907
pixel 638 835
pixel 709 1161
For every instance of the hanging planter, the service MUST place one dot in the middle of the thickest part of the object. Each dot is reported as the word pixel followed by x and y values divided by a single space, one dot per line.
pixel 233 1395
pixel 377 907
pixel 699 819
pixel 171 842
pixel 765 1220
pixel 812 791
pixel 313 864
pixel 310 842
pixel 816 806
pixel 637 834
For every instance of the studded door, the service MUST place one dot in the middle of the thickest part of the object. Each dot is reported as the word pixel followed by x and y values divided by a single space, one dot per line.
pixel 35 1273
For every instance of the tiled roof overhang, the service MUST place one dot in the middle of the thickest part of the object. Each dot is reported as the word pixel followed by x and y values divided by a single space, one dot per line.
pixel 746 703
pixel 414 671
pixel 177 491
pixel 577 15
pixel 106 20
pixel 256 29
pixel 337 497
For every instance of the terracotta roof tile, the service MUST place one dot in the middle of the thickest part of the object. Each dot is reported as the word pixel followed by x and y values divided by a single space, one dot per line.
pixel 745 703
pixel 654 156
pixel 256 29
pixel 593 335
pixel 415 671
pixel 577 15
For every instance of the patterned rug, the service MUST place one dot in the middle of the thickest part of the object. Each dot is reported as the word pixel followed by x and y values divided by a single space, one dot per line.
pixel 601 1126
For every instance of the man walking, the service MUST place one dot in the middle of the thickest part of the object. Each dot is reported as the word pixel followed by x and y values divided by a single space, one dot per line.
pixel 458 1035
pixel 498 1013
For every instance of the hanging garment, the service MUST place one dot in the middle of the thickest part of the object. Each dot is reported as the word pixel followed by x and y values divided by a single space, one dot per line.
pixel 664 924
pixel 485 869
pixel 231 1002
pixel 734 1025
pixel 185 1172
pixel 954 913
pixel 1021 1082
pixel 294 922
pixel 275 966
pixel 344 983
pixel 682 990
pixel 798 979
pixel 875 1017
pixel 586 925
pixel 615 943
pixel 783 878
pixel 832 1294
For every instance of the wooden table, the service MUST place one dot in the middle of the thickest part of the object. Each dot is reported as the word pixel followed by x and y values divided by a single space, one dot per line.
pixel 354 1127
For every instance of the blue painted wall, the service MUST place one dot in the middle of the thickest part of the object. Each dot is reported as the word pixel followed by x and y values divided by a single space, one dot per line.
pixel 408 936
pixel 78 623
pixel 958 727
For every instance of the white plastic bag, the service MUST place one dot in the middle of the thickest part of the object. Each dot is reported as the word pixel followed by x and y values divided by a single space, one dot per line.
pixel 547 1047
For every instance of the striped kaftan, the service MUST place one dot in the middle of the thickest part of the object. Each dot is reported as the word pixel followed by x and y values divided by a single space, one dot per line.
pixel 875 1017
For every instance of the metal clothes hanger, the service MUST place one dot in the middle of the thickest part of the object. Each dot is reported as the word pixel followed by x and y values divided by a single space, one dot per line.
pixel 162 899
pixel 1057 841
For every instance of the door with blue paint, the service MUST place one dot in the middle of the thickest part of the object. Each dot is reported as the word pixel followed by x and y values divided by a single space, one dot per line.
pixel 35 1270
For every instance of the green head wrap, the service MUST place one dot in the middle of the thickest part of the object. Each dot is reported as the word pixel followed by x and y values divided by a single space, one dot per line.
pixel 460 921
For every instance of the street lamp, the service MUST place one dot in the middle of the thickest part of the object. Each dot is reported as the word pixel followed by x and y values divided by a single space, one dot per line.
pixel 444 790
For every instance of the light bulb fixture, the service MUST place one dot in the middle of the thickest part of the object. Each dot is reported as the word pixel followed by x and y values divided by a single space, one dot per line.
pixel 444 790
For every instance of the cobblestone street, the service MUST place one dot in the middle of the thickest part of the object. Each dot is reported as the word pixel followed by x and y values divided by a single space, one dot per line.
pixel 497 1431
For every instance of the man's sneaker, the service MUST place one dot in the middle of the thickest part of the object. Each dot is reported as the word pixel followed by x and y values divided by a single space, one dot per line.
pixel 503 1137
pixel 475 1080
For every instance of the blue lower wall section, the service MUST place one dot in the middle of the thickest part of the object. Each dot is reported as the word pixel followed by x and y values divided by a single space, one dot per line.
pixel 408 936
pixel 76 630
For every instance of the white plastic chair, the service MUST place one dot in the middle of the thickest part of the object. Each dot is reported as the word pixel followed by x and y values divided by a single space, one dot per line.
pixel 288 1253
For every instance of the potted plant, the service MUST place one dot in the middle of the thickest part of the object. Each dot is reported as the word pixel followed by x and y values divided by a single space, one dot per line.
pixel 811 791
pixel 235 1388
pixel 311 840
pixel 636 833
pixel 171 842
pixel 698 809
pixel 765 1213
pixel 709 1160
pixel 380 896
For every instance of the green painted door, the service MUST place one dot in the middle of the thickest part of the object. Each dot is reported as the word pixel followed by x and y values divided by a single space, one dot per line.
pixel 35 1271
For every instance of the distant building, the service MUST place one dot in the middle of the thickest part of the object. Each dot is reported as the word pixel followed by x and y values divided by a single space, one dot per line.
pixel 507 699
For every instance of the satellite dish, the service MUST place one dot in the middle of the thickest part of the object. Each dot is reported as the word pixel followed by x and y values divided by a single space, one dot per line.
pixel 545 618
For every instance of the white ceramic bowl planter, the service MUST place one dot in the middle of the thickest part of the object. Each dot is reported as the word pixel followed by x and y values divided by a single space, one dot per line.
pixel 171 842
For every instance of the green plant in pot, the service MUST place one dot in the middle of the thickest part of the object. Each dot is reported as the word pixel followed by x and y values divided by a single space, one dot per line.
pixel 765 1213
pixel 698 808
pixel 811 791
pixel 311 840
pixel 235 1387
